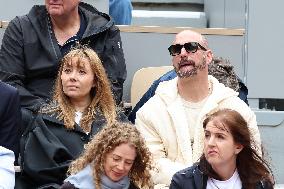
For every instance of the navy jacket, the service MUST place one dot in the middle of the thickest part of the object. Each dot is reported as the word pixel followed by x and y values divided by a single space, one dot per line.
pixel 10 117
pixel 193 178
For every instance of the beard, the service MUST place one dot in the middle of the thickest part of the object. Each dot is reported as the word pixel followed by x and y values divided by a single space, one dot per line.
pixel 193 71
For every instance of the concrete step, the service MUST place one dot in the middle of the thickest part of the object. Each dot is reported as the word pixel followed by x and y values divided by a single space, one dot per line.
pixel 169 7
pixel 169 18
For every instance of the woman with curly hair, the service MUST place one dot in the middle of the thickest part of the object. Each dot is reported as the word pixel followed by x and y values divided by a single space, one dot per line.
pixel 115 158
pixel 81 105
pixel 229 159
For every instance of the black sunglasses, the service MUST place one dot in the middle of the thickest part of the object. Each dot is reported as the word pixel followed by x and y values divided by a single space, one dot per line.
pixel 189 47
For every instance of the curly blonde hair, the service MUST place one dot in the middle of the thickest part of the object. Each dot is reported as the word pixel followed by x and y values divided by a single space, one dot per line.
pixel 105 142
pixel 102 99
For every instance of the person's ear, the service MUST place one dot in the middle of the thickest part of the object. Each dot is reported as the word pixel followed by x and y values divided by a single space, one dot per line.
pixel 209 56
pixel 239 148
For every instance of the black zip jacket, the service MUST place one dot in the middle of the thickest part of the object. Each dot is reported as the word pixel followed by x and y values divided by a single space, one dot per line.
pixel 193 178
pixel 29 56
pixel 47 148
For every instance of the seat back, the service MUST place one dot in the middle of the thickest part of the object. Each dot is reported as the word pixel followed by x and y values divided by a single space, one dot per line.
pixel 143 79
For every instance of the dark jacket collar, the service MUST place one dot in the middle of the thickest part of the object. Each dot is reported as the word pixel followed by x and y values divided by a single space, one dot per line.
pixel 97 124
pixel 196 175
pixel 200 179
pixel 97 21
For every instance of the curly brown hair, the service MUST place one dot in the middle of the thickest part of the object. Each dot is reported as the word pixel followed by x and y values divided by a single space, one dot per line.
pixel 251 167
pixel 102 100
pixel 105 142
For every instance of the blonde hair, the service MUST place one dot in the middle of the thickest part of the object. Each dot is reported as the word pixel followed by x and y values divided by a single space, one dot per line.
pixel 105 142
pixel 102 100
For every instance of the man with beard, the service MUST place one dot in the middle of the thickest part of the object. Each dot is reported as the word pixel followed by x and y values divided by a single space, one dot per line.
pixel 219 68
pixel 171 121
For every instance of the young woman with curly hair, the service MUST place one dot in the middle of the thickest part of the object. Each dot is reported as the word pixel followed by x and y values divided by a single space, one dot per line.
pixel 82 104
pixel 229 159
pixel 116 158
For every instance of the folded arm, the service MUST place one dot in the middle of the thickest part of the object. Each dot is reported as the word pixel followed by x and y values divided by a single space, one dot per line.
pixel 165 168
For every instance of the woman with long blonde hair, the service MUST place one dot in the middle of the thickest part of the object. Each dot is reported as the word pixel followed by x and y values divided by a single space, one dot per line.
pixel 99 97
pixel 116 158
pixel 82 104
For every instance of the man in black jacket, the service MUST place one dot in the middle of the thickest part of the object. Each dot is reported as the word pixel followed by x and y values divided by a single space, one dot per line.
pixel 33 45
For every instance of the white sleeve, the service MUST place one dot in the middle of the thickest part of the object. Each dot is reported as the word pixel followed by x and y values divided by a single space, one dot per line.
pixel 7 171
pixel 164 168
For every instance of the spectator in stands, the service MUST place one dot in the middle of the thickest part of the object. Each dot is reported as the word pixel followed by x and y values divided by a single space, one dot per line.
pixel 10 118
pixel 171 121
pixel 220 68
pixel 121 11
pixel 117 157
pixel 82 104
pixel 34 43
pixel 228 159
pixel 7 172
